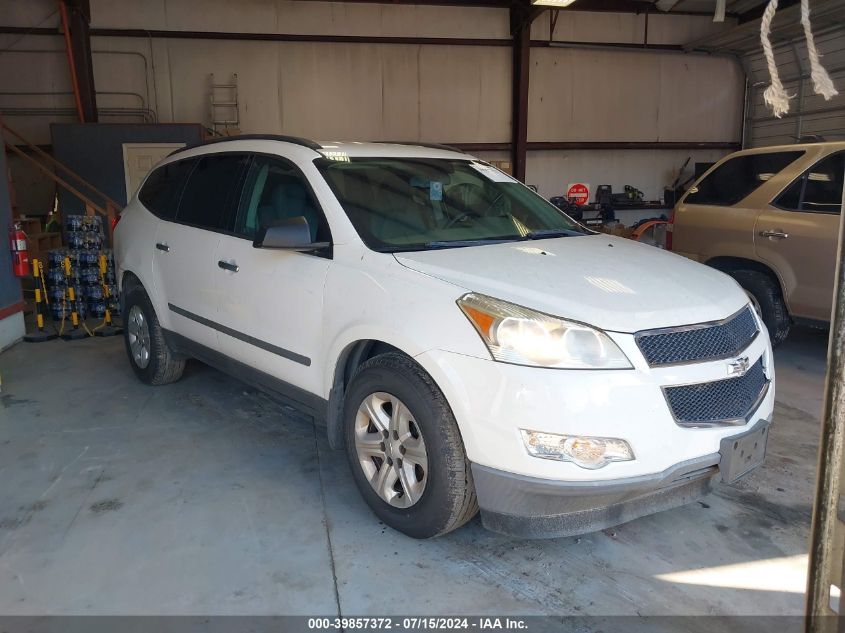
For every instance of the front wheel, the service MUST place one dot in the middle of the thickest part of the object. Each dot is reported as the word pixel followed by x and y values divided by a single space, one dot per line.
pixel 766 297
pixel 405 450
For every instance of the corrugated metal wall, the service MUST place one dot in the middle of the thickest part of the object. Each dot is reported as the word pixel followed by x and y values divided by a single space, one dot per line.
pixel 435 93
pixel 809 113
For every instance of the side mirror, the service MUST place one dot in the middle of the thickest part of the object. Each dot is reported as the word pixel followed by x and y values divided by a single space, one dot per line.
pixel 292 234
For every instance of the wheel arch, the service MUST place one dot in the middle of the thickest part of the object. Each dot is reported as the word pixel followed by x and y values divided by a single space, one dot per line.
pixel 130 279
pixel 352 356
pixel 729 264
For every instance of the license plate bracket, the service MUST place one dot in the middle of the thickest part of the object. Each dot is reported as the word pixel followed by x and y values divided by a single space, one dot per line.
pixel 740 454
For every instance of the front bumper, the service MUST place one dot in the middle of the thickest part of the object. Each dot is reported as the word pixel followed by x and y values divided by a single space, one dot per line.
pixel 492 401
pixel 673 464
pixel 529 507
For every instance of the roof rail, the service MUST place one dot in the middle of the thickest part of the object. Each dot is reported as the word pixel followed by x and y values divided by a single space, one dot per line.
pixel 296 140
pixel 447 148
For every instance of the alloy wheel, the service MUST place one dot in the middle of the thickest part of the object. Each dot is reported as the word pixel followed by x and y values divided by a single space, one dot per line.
pixel 138 333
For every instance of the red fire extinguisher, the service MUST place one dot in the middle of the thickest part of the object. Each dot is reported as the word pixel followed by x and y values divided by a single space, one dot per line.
pixel 20 258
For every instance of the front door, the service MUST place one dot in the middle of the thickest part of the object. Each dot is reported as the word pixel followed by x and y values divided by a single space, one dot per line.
pixel 797 236
pixel 271 301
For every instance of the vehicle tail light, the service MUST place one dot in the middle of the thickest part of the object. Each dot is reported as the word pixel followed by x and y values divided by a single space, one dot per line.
pixel 114 221
pixel 670 228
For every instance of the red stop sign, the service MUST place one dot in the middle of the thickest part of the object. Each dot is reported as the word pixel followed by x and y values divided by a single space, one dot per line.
pixel 578 193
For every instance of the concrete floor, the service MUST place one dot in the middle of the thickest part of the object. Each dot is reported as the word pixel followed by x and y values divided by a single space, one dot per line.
pixel 205 497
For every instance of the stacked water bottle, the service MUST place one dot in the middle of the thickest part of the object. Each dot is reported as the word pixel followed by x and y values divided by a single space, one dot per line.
pixel 84 239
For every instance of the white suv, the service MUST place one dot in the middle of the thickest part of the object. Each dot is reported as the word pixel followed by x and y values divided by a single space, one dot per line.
pixel 462 339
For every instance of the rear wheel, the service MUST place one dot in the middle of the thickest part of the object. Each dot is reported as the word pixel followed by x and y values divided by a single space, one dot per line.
pixel 405 450
pixel 151 358
pixel 765 295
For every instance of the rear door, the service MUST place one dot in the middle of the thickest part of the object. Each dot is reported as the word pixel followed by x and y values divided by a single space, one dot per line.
pixel 271 301
pixel 160 195
pixel 718 215
pixel 185 248
pixel 797 236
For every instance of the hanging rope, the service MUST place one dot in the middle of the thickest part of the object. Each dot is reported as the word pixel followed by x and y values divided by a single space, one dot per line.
pixel 822 83
pixel 719 16
pixel 775 95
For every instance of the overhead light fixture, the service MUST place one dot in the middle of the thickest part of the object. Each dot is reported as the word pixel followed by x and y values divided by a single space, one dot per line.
pixel 552 3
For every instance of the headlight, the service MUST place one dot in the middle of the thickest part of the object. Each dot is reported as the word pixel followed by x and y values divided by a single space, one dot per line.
pixel 514 334
pixel 586 452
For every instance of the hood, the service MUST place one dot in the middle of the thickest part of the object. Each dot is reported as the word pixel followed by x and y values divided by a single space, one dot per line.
pixel 609 282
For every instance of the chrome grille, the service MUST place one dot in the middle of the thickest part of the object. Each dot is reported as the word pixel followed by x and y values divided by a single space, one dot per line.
pixel 722 402
pixel 699 343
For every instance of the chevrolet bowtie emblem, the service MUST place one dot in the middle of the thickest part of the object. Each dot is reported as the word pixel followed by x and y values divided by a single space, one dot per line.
pixel 738 367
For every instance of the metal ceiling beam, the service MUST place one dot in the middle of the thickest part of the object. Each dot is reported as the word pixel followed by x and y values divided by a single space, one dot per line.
pixel 757 12
pixel 353 39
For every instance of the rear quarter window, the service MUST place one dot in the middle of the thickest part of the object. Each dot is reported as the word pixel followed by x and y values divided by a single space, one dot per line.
pixel 738 177
pixel 818 190
pixel 162 190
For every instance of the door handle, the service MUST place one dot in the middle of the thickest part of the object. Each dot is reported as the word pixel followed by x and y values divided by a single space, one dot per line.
pixel 227 266
pixel 163 247
pixel 774 234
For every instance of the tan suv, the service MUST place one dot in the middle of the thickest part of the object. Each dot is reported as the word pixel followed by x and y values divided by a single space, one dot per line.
pixel 769 217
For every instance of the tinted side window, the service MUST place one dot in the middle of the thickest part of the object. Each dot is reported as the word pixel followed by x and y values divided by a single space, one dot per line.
pixel 819 189
pixel 790 199
pixel 823 189
pixel 161 191
pixel 275 190
pixel 737 177
pixel 211 195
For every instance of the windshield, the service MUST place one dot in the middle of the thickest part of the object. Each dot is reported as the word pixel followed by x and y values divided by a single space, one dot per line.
pixel 406 204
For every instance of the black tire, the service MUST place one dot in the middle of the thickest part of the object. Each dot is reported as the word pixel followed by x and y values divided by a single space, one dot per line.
pixel 163 367
pixel 768 295
pixel 448 500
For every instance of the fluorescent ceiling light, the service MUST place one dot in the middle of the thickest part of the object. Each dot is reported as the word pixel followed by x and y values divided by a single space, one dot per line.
pixel 553 3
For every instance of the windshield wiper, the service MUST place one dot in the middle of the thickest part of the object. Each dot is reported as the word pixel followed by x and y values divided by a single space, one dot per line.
pixel 539 235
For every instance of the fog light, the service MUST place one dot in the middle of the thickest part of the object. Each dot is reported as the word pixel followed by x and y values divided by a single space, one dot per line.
pixel 586 452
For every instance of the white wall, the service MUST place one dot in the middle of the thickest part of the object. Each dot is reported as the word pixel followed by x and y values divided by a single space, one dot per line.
pixel 600 95
pixel 452 94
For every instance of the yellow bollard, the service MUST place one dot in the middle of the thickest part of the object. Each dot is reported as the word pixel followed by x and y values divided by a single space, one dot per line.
pixel 40 335
pixel 106 328
pixel 75 333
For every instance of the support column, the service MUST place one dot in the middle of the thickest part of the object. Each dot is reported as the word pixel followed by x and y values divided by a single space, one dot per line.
pixel 76 16
pixel 521 16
